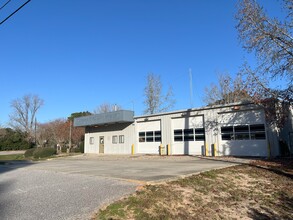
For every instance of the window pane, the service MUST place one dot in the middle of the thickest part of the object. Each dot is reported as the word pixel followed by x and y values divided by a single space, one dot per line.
pixel 260 127
pixel 149 133
pixel 150 139
pixel 121 139
pixel 114 139
pixel 242 136
pixel 92 140
pixel 157 139
pixel 228 129
pixel 178 132
pixel 241 128
pixel 141 136
pixel 199 137
pixel 227 137
pixel 258 136
pixel 199 131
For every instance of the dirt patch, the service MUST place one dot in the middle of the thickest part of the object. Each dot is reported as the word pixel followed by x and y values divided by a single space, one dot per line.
pixel 240 192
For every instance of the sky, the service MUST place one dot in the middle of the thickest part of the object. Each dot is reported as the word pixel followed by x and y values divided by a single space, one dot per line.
pixel 77 54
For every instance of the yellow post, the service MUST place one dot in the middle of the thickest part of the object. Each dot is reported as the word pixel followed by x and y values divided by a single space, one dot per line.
pixel 207 149
pixel 215 149
pixel 132 149
pixel 169 149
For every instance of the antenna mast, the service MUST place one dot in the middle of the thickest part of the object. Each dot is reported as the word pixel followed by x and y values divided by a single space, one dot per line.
pixel 191 89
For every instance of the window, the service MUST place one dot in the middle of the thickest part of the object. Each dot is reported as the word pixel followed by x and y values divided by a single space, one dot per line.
pixel 178 135
pixel 114 139
pixel 157 136
pixel 227 133
pixel 243 132
pixel 189 134
pixel 149 136
pixel 141 136
pixel 121 139
pixel 92 140
pixel 199 134
pixel 257 131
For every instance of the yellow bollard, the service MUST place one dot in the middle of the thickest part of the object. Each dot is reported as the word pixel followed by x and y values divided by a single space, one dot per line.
pixel 207 149
pixel 169 149
pixel 132 149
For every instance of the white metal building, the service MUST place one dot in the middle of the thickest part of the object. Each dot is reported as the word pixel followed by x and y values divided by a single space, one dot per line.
pixel 234 129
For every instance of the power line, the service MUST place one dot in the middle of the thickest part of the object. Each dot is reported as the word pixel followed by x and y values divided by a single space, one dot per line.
pixel 14 12
pixel 5 4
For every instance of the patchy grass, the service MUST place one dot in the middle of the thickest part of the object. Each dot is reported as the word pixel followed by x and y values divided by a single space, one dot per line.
pixel 243 191
pixel 12 157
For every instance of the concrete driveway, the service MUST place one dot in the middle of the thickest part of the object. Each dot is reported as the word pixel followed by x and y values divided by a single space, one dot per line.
pixel 75 187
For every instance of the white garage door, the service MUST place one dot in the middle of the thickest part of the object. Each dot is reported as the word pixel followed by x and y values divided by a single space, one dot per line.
pixel 188 135
pixel 243 134
pixel 149 137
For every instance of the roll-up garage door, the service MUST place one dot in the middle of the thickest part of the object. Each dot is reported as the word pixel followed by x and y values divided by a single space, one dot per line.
pixel 242 133
pixel 149 137
pixel 188 135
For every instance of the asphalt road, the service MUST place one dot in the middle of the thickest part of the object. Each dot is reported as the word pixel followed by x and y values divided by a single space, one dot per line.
pixel 74 188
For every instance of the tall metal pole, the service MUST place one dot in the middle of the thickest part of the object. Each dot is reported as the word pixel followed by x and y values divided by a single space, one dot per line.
pixel 191 89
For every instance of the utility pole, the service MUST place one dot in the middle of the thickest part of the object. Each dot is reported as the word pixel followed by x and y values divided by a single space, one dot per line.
pixel 70 135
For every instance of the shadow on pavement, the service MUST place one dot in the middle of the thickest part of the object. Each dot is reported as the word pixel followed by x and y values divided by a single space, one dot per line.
pixel 9 165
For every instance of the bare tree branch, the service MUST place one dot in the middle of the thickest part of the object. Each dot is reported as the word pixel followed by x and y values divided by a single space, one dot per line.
pixel 24 113
pixel 155 101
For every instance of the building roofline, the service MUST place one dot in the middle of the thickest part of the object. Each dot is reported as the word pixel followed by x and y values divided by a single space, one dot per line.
pixel 197 109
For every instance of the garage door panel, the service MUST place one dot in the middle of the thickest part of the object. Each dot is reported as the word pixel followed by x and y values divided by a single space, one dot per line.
pixel 149 137
pixel 186 134
pixel 242 117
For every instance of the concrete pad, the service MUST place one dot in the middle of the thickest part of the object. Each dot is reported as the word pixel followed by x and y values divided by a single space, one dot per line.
pixel 145 169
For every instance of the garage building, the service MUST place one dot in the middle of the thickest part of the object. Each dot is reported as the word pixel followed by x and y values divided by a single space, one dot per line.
pixel 235 129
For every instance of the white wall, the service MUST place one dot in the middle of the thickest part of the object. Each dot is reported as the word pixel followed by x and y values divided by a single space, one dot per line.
pixel 108 132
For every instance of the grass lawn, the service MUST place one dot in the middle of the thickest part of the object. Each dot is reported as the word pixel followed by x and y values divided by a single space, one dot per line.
pixel 12 157
pixel 240 192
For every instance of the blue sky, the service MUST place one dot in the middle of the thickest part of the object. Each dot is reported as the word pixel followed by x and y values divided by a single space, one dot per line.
pixel 78 54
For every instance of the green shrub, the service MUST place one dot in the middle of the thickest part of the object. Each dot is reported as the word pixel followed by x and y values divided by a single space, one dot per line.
pixel 29 152
pixel 43 152
pixel 13 140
